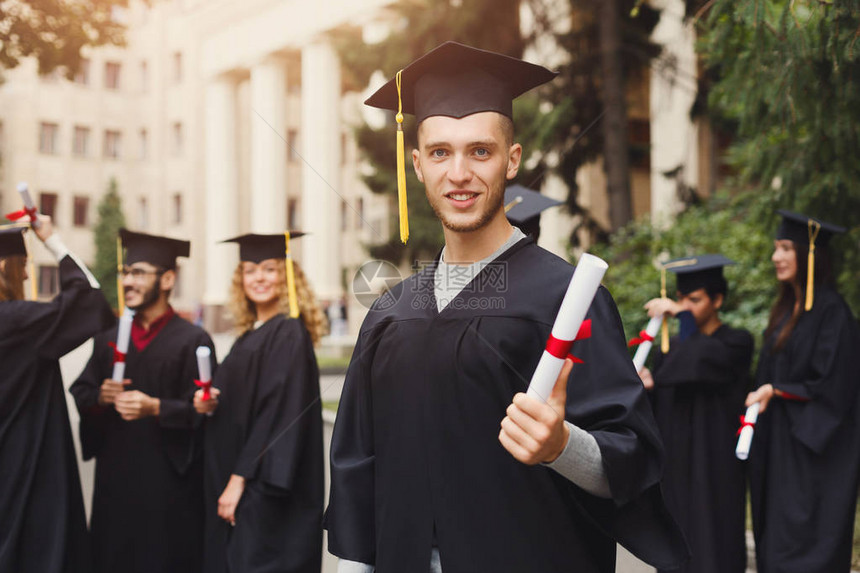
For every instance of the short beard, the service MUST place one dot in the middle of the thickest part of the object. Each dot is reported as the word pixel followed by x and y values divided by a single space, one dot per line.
pixel 497 196
pixel 150 296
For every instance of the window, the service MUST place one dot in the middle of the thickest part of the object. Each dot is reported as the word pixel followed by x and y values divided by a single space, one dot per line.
pixel 81 141
pixel 113 143
pixel 48 138
pixel 292 213
pixel 112 73
pixel 177 139
pixel 143 141
pixel 359 213
pixel 48 205
pixel 81 210
pixel 82 77
pixel 177 67
pixel 177 209
pixel 143 213
pixel 292 145
pixel 144 77
pixel 49 281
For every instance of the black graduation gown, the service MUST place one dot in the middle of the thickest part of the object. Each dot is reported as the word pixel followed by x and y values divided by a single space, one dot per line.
pixel 700 387
pixel 415 454
pixel 805 456
pixel 42 521
pixel 148 496
pixel 267 429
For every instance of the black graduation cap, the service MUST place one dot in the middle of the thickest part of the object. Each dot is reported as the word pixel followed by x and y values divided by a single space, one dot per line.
pixel 453 80
pixel 801 228
pixel 701 271
pixel 522 204
pixel 257 248
pixel 12 241
pixel 809 231
pixel 152 249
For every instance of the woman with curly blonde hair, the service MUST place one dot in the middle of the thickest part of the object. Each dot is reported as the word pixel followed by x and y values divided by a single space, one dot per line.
pixel 263 447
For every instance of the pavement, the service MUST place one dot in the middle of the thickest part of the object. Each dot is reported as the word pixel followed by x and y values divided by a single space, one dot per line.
pixel 330 388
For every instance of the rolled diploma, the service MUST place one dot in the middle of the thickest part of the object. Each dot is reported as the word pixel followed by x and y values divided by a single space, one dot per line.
pixel 204 369
pixel 743 450
pixel 24 191
pixel 580 292
pixel 123 335
pixel 644 349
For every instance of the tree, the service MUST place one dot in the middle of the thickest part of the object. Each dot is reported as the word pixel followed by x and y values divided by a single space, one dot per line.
pixel 110 220
pixel 54 31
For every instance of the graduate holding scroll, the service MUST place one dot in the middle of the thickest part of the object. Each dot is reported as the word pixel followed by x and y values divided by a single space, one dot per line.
pixel 805 454
pixel 43 527
pixel 143 431
pixel 264 444
pixel 697 390
pixel 440 461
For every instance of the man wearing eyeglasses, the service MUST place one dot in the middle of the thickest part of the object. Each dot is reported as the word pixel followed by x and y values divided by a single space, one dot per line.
pixel 143 431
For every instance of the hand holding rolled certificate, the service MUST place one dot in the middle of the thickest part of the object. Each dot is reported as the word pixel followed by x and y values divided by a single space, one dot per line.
pixel 204 370
pixel 645 342
pixel 748 421
pixel 29 207
pixel 580 292
pixel 123 335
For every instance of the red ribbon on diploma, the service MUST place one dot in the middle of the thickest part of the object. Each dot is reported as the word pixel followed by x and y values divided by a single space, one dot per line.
pixel 117 355
pixel 15 215
pixel 206 386
pixel 744 424
pixel 561 348
pixel 643 337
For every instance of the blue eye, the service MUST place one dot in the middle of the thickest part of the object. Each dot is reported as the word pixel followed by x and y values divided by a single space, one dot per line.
pixel 438 153
pixel 482 152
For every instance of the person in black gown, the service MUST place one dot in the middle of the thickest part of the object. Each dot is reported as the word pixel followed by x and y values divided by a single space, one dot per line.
pixel 143 432
pixel 697 392
pixel 42 523
pixel 805 454
pixel 439 458
pixel 263 445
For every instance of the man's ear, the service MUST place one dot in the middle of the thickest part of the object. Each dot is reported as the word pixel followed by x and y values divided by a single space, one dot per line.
pixel 718 300
pixel 168 280
pixel 416 164
pixel 515 155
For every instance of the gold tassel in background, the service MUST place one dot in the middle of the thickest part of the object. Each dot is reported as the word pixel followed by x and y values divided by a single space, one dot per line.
pixel 291 278
pixel 814 228
pixel 120 293
pixel 31 269
pixel 664 325
pixel 401 168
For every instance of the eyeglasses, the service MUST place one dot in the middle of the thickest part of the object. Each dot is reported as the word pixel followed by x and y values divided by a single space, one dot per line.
pixel 137 274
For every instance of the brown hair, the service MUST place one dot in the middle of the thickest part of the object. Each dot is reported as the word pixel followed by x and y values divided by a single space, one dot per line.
pixel 12 278
pixel 789 303
pixel 244 312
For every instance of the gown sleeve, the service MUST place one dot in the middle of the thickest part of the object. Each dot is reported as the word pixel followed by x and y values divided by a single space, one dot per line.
pixel 177 412
pixel 286 410
pixel 85 391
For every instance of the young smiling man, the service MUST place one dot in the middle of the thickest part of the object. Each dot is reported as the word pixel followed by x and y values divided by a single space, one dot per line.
pixel 440 461
pixel 148 497
pixel 697 391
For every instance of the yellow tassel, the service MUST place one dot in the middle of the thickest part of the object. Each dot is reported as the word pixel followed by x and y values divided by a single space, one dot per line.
pixel 664 326
pixel 120 294
pixel 291 279
pixel 401 168
pixel 31 270
pixel 814 228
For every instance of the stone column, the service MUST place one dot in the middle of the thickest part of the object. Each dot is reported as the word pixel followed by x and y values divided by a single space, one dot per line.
pixel 268 147
pixel 321 191
pixel 222 199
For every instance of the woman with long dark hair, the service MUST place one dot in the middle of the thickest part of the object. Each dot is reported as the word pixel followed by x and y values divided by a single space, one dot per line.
pixel 805 456
pixel 263 447
pixel 43 528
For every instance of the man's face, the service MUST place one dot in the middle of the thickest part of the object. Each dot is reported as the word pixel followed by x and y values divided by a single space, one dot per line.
pixel 464 164
pixel 703 307
pixel 141 283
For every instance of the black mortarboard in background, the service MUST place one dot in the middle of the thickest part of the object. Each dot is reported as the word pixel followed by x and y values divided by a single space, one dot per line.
pixel 453 80
pixel 811 232
pixel 152 249
pixel 524 206
pixel 12 241
pixel 257 248
pixel 701 271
